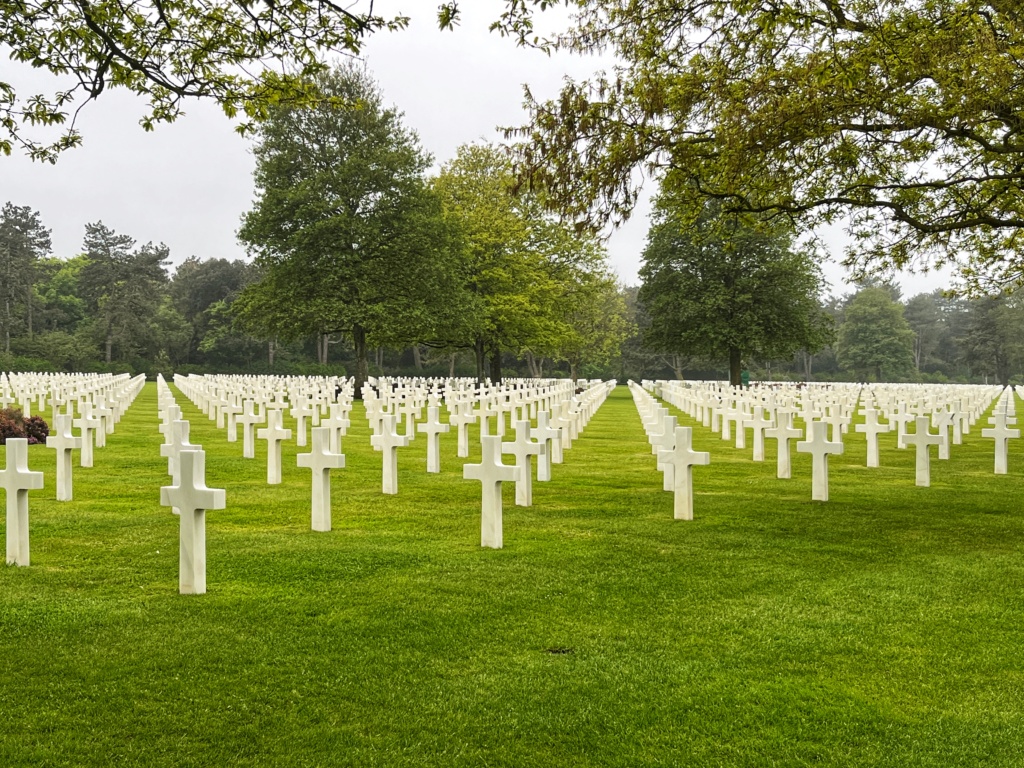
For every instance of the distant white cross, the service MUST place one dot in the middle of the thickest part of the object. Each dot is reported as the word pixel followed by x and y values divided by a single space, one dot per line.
pixel 548 437
pixel 922 440
pixel 784 432
pixel 388 442
pixel 433 429
pixel 274 434
pixel 523 448
pixel 872 428
pixel 759 422
pixel 191 496
pixel 1002 434
pixel 819 447
pixel 249 418
pixel 89 426
pixel 491 473
pixel 321 460
pixel 682 459
pixel 64 443
pixel 462 417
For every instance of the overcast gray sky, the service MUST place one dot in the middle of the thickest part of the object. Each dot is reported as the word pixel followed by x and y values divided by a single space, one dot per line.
pixel 188 183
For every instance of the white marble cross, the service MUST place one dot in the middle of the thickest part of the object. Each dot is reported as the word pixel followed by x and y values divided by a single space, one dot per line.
pixel 274 434
pixel 17 481
pixel 321 460
pixel 819 447
pixel 179 441
pixel 666 439
pixel 1002 434
pixel 232 410
pixel 550 440
pixel 303 411
pixel 106 419
pixel 943 420
pixel 89 424
pixel 388 442
pixel 901 417
pixel 433 429
pixel 191 496
pixel 491 473
pixel 523 448
pixel 249 418
pixel 64 443
pixel 872 428
pixel 784 432
pixel 922 440
pixel 759 423
pixel 682 459
pixel 462 418
pixel 338 423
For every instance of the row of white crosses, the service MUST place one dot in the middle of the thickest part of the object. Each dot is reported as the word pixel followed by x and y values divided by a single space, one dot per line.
pixel 561 408
pixel 491 472
pixel 188 496
pixel 673 445
pixel 247 402
pixel 63 391
pixel 769 412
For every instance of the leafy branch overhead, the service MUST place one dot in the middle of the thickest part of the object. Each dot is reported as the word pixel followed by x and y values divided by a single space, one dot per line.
pixel 901 120
pixel 247 55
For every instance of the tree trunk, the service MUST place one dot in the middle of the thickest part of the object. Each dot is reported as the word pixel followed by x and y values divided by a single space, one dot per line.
pixel 677 366
pixel 808 364
pixel 573 371
pixel 496 366
pixel 109 347
pixel 320 349
pixel 917 351
pixel 531 362
pixel 478 350
pixel 878 373
pixel 417 358
pixel 28 303
pixel 451 365
pixel 7 326
pixel 362 363
pixel 734 366
pixel 271 349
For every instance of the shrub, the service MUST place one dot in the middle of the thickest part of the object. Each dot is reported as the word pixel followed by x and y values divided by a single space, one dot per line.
pixel 11 424
pixel 36 430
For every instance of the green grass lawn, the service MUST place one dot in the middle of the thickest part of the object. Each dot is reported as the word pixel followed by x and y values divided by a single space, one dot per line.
pixel 882 628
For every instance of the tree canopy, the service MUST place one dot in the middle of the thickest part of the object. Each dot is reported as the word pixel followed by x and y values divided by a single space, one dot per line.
pixel 875 338
pixel 346 233
pixel 900 119
pixel 728 287
pixel 247 56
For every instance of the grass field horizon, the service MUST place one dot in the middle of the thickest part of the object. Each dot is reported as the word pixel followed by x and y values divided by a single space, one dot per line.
pixel 881 628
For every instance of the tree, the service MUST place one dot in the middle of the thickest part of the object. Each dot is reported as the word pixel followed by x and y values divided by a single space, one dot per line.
pixel 169 51
pixel 124 288
pixel 594 313
pixel 875 337
pixel 519 260
pixel 23 241
pixel 902 119
pixel 728 287
pixel 197 286
pixel 924 317
pixel 993 337
pixel 347 237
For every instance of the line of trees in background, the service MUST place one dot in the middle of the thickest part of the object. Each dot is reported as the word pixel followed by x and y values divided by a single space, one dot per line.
pixel 116 306
pixel 362 264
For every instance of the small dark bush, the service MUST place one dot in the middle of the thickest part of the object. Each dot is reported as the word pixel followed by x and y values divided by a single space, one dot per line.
pixel 11 424
pixel 36 430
